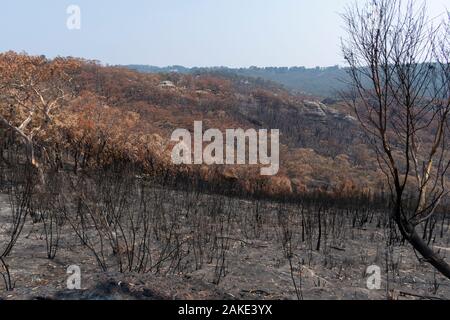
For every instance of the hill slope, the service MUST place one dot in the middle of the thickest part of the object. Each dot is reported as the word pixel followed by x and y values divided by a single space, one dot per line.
pixel 322 145
pixel 119 113
pixel 324 82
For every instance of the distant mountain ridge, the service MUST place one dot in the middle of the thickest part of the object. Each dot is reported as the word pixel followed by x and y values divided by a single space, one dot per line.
pixel 323 82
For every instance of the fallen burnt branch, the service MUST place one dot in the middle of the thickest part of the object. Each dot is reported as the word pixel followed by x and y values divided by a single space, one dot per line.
pixel 395 294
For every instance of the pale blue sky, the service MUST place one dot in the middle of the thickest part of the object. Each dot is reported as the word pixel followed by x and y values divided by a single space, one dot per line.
pixel 234 33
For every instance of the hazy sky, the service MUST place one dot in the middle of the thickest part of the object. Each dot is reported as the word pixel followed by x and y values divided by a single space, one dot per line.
pixel 235 33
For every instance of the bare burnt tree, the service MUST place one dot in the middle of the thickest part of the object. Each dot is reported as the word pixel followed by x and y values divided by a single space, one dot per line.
pixel 49 210
pixel 19 181
pixel 20 193
pixel 399 73
pixel 6 275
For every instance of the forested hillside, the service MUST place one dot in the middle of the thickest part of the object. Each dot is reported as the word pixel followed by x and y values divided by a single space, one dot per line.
pixel 108 112
pixel 326 82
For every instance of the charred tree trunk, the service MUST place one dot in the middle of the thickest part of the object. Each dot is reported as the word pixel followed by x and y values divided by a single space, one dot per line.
pixel 409 232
